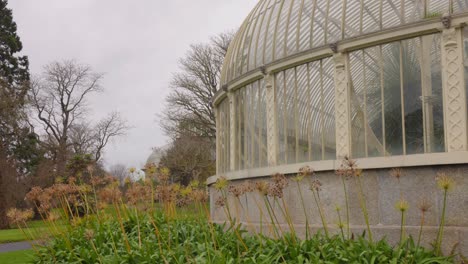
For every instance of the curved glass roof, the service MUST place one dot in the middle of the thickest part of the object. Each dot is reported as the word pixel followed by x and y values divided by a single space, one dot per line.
pixel 276 29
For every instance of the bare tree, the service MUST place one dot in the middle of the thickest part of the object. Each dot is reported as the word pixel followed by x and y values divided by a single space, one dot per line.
pixel 86 139
pixel 59 98
pixel 189 108
pixel 111 126
pixel 189 157
pixel 119 171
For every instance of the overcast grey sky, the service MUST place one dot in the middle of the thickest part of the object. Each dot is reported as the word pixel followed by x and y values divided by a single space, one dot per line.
pixel 136 43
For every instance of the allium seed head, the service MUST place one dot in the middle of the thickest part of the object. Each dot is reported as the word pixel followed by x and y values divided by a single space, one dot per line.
pixel 445 182
pixel 402 205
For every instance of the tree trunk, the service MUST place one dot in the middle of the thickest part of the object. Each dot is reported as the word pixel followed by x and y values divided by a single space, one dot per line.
pixel 3 190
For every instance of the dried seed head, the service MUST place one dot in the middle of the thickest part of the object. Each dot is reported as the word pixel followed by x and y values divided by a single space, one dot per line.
pixel 280 181
pixel 315 185
pixel 221 183
pixel 397 173
pixel 262 187
pixel 16 216
pixel 445 182
pixel 424 205
pixel 89 234
pixel 275 191
pixel 402 205
pixel 220 202
pixel 236 191
pixel 303 172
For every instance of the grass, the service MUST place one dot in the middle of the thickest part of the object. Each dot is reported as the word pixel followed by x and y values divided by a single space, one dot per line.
pixel 17 257
pixel 36 228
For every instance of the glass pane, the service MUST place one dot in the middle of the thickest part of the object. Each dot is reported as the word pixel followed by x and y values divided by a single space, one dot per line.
pixel 392 99
pixel 435 118
pixel 414 135
pixel 290 120
pixel 373 67
pixel 328 110
pixel 358 107
pixel 302 113
pixel 280 110
pixel 315 102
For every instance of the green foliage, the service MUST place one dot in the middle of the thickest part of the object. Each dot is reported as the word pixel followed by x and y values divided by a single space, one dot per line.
pixel 191 240
pixel 17 257
pixel 13 68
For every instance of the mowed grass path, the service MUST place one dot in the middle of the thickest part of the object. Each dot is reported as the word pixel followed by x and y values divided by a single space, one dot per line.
pixel 17 257
pixel 36 228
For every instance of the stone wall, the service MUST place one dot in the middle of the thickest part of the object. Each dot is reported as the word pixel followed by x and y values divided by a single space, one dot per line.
pixel 382 192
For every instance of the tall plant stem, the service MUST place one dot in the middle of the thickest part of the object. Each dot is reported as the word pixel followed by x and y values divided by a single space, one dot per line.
pixel 274 220
pixel 322 215
pixel 347 206
pixel 362 201
pixel 287 217
pixel 402 227
pixel 420 230
pixel 340 223
pixel 440 234
pixel 303 208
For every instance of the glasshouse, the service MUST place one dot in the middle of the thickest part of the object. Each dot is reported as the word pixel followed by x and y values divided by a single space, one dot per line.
pixel 380 85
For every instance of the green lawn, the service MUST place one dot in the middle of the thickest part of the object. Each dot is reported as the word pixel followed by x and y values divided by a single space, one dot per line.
pixel 17 257
pixel 36 228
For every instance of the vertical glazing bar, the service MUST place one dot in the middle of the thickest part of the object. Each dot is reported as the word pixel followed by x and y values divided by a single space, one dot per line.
pixel 257 17
pixel 322 111
pixel 343 19
pixel 312 20
pixel 402 98
pixel 275 33
pixel 218 138
pixel 325 33
pixel 309 121
pixel 364 77
pixel 260 32
pixel 266 31
pixel 381 14
pixel 286 32
pixel 382 93
pixel 285 116
pixel 403 20
pixel 296 119
pixel 271 115
pixel 298 28
pixel 239 121
pixel 232 128
pixel 361 17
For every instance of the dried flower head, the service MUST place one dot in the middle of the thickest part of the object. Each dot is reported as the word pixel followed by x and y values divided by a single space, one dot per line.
pixel 262 187
pixel 275 191
pixel 280 181
pixel 16 216
pixel 424 205
pixel 402 205
pixel 445 182
pixel 303 172
pixel 220 202
pixel 348 169
pixel 221 183
pixel 248 187
pixel 53 216
pixel 89 234
pixel 315 185
pixel 396 173
pixel 236 191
